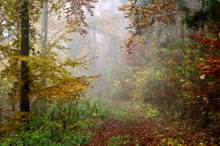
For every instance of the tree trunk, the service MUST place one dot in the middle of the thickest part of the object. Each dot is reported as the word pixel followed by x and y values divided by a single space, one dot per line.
pixel 44 25
pixel 42 103
pixel 25 87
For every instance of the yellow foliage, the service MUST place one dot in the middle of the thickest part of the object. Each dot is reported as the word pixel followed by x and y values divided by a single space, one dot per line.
pixel 143 17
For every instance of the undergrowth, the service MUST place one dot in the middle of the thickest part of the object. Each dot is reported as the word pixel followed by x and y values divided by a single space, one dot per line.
pixel 101 122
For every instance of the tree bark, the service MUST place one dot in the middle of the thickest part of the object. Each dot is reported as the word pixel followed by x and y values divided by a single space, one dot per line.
pixel 44 25
pixel 25 87
pixel 42 103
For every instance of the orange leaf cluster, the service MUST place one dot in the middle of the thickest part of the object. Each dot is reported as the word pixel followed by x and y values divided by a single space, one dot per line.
pixel 211 64
pixel 206 41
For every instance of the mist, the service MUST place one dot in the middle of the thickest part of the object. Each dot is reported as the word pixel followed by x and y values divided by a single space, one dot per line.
pixel 106 35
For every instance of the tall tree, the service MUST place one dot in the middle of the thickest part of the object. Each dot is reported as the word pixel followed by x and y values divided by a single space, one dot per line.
pixel 19 36
pixel 44 27
pixel 25 87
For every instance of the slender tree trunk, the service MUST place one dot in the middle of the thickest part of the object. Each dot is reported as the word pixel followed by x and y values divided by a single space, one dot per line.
pixel 44 25
pixel 25 88
pixel 41 103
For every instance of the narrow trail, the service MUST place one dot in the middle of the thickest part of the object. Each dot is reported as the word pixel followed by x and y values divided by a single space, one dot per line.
pixel 139 131
pixel 142 132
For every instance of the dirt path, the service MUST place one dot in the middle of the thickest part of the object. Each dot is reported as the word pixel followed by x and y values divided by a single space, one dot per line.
pixel 141 132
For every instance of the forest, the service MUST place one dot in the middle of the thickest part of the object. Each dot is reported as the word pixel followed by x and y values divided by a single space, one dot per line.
pixel 109 72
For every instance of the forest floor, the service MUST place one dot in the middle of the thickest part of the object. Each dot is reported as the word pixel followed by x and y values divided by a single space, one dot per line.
pixel 113 132
pixel 134 130
pixel 136 124
pixel 106 122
